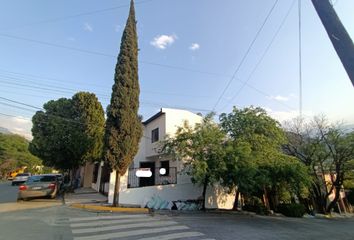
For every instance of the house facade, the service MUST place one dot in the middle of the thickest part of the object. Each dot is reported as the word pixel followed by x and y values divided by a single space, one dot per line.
pixel 166 178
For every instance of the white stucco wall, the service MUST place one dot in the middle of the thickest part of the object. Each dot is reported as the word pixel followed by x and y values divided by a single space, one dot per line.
pixel 215 196
pixel 184 189
pixel 152 149
pixel 176 118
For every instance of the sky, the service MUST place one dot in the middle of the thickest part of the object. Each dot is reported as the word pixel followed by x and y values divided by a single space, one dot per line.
pixel 194 55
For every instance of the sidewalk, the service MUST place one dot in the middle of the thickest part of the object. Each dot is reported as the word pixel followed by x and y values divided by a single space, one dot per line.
pixel 89 199
pixel 84 196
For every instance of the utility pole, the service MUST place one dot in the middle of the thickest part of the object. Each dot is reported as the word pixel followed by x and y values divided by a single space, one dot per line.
pixel 340 38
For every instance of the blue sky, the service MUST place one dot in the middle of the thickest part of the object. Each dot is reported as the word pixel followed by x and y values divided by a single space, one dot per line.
pixel 189 49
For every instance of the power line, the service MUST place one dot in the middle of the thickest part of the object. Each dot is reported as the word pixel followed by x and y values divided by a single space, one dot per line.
pixel 246 54
pixel 58 19
pixel 245 83
pixel 51 79
pixel 44 121
pixel 141 102
pixel 300 60
pixel 21 78
pixel 25 104
pixel 104 54
pixel 17 107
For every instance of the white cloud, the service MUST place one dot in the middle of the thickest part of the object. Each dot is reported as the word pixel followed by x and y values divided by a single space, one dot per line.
pixel 18 125
pixel 279 98
pixel 162 41
pixel 88 27
pixel 283 116
pixel 194 46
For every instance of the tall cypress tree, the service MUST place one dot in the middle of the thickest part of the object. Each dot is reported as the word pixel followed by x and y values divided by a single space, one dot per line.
pixel 123 125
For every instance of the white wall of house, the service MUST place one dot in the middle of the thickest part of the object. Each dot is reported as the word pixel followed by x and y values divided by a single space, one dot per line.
pixel 152 149
pixel 216 197
pixel 168 120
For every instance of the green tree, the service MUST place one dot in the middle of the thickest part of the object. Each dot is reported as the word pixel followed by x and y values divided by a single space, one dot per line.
pixel 201 149
pixel 256 164
pixel 14 153
pixel 327 150
pixel 123 125
pixel 69 131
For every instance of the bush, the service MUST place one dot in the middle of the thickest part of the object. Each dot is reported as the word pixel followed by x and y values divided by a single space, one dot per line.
pixel 292 210
pixel 350 196
pixel 257 208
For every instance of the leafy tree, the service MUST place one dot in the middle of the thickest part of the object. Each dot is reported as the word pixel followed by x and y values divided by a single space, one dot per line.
pixel 123 125
pixel 201 148
pixel 14 153
pixel 89 112
pixel 339 146
pixel 326 150
pixel 257 166
pixel 69 131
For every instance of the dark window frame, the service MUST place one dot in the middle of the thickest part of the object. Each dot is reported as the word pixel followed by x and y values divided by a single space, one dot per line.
pixel 155 135
pixel 166 165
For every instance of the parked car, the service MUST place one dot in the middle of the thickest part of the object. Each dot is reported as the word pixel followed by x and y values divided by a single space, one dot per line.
pixel 20 178
pixel 45 185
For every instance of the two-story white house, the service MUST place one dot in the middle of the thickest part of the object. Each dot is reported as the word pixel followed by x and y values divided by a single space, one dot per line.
pixel 172 183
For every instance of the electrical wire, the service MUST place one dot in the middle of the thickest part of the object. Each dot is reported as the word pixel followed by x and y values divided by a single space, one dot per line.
pixel 300 60
pixel 25 104
pixel 245 83
pixel 20 78
pixel 4 35
pixel 45 121
pixel 58 19
pixel 246 54
pixel 14 106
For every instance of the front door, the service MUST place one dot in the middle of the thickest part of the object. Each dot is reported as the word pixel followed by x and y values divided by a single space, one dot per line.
pixel 147 181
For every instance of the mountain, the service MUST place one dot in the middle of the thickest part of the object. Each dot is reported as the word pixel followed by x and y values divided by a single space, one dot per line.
pixel 4 130
pixel 348 128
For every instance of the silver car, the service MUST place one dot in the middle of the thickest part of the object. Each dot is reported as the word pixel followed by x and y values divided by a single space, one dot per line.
pixel 39 186
pixel 20 178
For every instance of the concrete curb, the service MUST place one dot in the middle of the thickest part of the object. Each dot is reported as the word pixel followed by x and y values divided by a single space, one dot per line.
pixel 108 208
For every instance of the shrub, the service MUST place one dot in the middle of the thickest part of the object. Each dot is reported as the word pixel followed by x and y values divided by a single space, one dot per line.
pixel 350 196
pixel 257 208
pixel 292 209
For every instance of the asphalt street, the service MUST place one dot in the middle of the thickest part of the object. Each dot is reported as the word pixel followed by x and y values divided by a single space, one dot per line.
pixel 51 219
pixel 8 193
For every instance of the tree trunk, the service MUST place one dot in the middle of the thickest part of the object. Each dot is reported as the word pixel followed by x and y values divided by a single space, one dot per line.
pixel 116 190
pixel 73 178
pixel 335 200
pixel 265 198
pixel 320 199
pixel 205 185
pixel 237 195
pixel 337 33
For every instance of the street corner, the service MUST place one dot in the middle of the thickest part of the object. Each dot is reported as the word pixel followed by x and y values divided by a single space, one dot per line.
pixel 31 204
pixel 103 208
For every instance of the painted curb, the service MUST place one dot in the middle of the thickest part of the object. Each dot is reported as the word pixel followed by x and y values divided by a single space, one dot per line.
pixel 109 209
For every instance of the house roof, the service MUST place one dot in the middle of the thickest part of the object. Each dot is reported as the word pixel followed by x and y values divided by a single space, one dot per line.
pixel 157 115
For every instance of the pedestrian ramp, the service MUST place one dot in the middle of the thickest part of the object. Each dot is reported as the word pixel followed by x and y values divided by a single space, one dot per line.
pixel 131 227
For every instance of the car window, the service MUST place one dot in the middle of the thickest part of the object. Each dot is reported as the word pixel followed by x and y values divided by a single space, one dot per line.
pixel 47 178
pixel 34 179
pixel 22 174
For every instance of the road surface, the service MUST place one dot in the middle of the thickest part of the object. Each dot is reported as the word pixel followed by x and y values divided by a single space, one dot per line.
pixel 51 219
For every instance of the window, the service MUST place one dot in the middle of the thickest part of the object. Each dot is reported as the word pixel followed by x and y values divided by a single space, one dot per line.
pixel 155 135
pixel 165 165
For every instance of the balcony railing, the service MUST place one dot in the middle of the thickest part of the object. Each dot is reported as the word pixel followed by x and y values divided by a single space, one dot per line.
pixel 156 179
